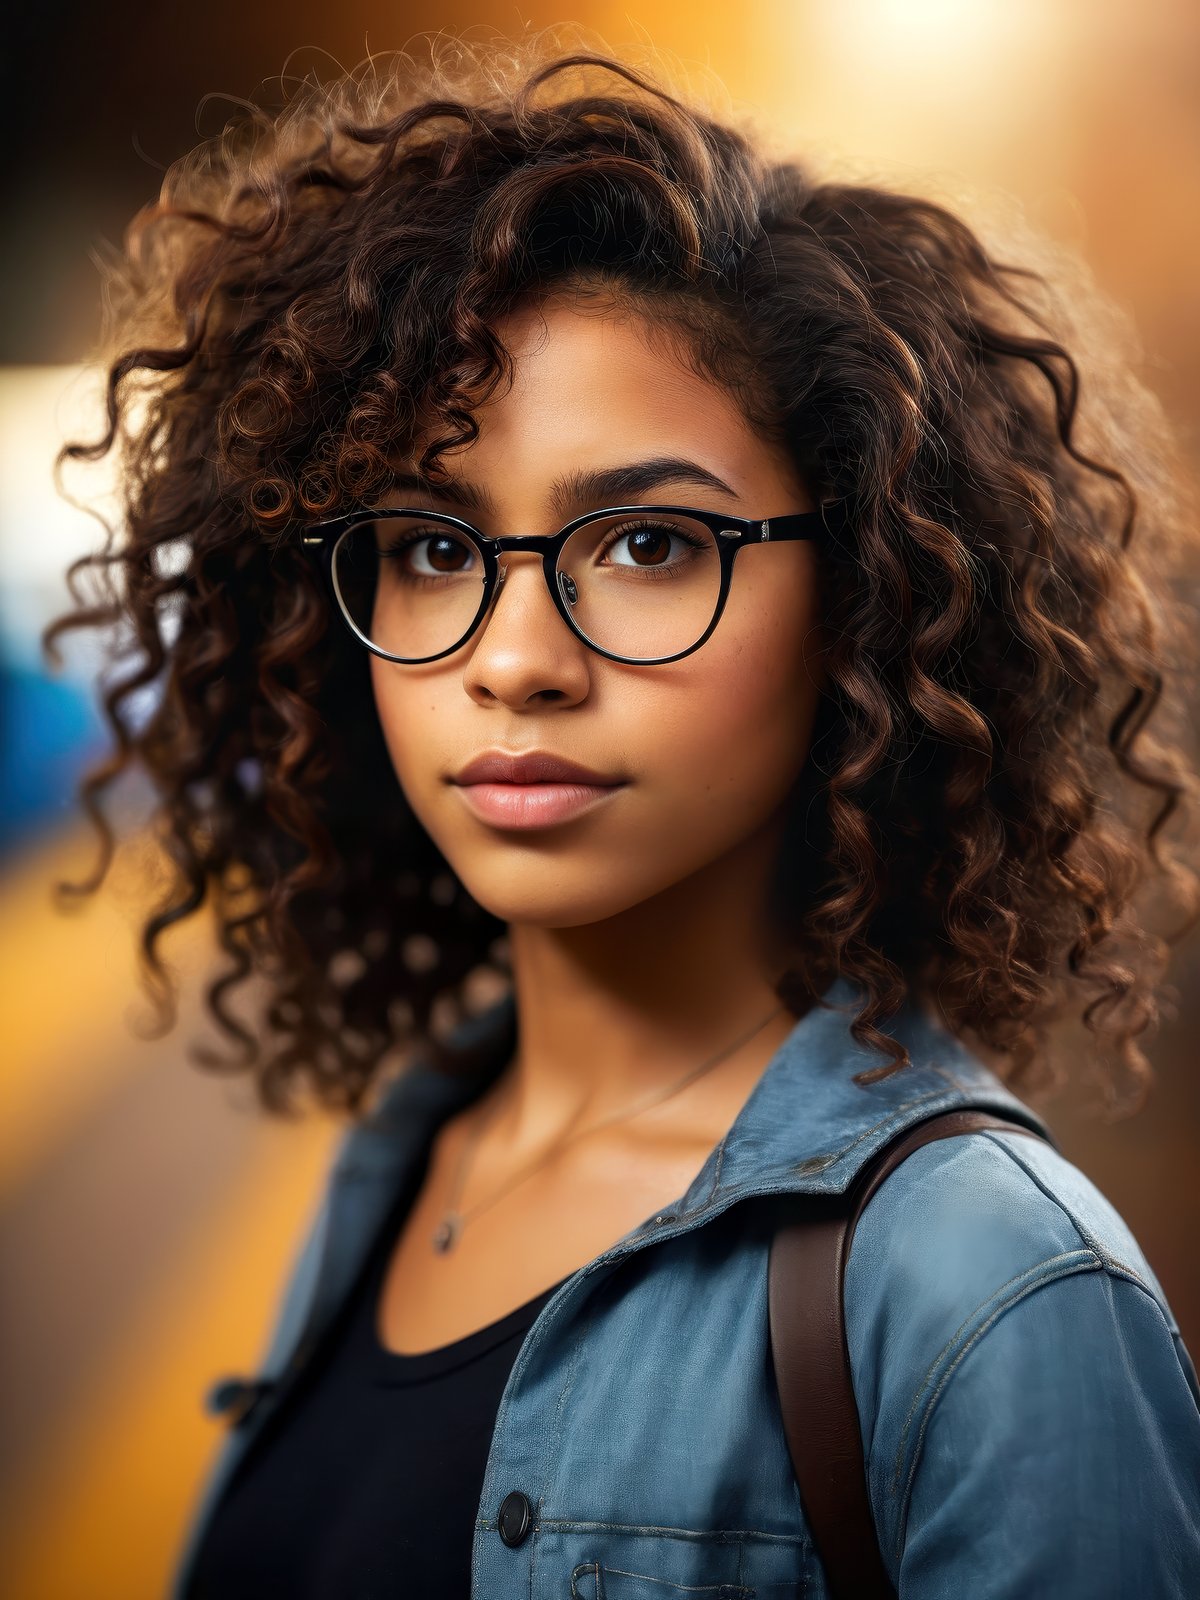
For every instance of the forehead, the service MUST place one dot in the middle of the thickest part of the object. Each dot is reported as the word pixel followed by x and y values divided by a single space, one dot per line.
pixel 601 360
pixel 595 386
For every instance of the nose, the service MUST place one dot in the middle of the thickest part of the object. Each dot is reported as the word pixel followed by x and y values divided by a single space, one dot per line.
pixel 564 580
pixel 523 651
pixel 529 558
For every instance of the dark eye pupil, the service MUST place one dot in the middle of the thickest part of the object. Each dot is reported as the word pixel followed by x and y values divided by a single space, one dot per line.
pixel 649 543
pixel 441 553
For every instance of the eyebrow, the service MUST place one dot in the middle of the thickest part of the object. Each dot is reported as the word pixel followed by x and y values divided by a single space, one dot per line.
pixel 583 486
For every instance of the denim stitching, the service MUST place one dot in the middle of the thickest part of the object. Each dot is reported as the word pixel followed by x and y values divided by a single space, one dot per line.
pixel 726 1591
pixel 832 1157
pixel 555 1453
pixel 896 1111
pixel 716 1183
pixel 709 1535
pixel 951 1369
pixel 585 1566
pixel 706 1200
pixel 723 1589
pixel 1038 1267
pixel 1087 1243
pixel 1085 1234
pixel 907 1105
pixel 489 1524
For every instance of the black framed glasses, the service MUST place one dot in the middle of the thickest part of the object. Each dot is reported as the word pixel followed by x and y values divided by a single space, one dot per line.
pixel 639 584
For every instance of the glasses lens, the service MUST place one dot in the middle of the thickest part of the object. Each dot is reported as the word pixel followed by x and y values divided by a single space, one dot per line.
pixel 410 585
pixel 641 585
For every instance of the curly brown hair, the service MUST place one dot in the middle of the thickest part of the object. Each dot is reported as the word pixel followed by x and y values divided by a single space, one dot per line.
pixel 983 798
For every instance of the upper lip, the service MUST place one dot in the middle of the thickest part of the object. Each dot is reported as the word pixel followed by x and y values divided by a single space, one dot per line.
pixel 529 766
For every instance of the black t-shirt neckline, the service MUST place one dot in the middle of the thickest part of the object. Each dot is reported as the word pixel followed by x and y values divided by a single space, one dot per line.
pixel 389 1368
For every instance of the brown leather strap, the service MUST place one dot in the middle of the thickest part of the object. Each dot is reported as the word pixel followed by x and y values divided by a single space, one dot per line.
pixel 806 1275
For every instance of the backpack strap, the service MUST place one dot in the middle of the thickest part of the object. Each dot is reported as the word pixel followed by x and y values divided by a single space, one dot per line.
pixel 806 1275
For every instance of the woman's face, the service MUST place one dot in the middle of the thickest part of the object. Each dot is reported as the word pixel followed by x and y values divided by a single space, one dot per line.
pixel 700 752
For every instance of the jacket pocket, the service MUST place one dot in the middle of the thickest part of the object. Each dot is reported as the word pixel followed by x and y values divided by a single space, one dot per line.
pixel 590 1580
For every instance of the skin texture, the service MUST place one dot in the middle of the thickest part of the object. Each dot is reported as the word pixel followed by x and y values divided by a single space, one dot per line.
pixel 637 929
pixel 1009 652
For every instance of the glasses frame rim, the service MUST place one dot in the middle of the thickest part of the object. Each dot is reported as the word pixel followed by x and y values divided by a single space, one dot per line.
pixel 731 534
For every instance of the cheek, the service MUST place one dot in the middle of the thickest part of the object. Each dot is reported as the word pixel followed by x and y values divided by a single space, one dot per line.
pixel 714 743
pixel 742 720
pixel 407 707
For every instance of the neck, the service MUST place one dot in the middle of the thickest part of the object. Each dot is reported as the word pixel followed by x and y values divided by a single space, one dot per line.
pixel 610 1013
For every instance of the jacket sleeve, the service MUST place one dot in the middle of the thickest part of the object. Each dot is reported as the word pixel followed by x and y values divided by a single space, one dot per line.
pixel 1029 1414
pixel 1054 1451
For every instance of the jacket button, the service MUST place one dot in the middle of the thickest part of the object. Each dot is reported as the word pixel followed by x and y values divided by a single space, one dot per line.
pixel 514 1517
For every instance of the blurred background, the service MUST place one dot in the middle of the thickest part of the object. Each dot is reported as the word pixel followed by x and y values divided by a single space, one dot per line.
pixel 147 1210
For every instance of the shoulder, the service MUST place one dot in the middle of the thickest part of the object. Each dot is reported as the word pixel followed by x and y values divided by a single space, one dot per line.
pixel 986 1215
pixel 1010 1342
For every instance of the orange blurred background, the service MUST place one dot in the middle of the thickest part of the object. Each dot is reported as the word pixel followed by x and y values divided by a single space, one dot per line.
pixel 148 1212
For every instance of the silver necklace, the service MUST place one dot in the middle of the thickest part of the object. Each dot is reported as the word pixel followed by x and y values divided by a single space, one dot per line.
pixel 453 1220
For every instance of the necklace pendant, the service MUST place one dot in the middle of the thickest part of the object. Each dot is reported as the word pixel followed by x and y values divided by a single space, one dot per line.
pixel 447 1234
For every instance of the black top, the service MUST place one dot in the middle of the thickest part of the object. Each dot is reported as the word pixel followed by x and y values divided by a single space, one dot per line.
pixel 365 1484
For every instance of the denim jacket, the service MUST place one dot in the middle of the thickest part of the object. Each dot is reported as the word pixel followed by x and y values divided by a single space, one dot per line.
pixel 1030 1415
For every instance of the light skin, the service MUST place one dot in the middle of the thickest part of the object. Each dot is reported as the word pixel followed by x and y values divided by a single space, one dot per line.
pixel 638 931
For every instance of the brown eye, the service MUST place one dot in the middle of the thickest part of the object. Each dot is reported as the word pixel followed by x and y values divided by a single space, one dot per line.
pixel 445 554
pixel 429 555
pixel 649 545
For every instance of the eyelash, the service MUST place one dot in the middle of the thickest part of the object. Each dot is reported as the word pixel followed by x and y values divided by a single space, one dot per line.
pixel 627 528
pixel 614 537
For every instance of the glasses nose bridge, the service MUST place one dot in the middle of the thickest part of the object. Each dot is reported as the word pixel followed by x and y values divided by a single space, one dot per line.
pixel 358 587
pixel 530 544
pixel 533 545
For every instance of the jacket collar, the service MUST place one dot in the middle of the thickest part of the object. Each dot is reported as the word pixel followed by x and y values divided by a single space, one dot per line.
pixel 804 1127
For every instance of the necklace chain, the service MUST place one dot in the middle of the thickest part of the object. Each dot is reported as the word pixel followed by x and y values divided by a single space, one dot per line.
pixel 453 1220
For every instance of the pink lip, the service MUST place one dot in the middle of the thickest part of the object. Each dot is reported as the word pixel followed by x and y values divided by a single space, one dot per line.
pixel 532 805
pixel 530 766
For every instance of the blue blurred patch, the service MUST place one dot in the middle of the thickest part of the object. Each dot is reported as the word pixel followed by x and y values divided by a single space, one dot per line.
pixel 51 730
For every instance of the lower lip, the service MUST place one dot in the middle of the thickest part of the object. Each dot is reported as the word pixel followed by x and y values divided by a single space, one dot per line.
pixel 532 805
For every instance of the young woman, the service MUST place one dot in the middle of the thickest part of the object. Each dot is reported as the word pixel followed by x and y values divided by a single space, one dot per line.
pixel 657 667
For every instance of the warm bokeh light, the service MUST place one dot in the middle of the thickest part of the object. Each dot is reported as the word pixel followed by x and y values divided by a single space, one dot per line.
pixel 148 1212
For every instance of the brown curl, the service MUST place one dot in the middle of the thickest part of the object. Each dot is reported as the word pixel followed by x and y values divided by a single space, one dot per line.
pixel 990 778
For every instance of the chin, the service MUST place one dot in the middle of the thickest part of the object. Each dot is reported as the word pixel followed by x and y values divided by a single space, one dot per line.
pixel 547 892
pixel 549 904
